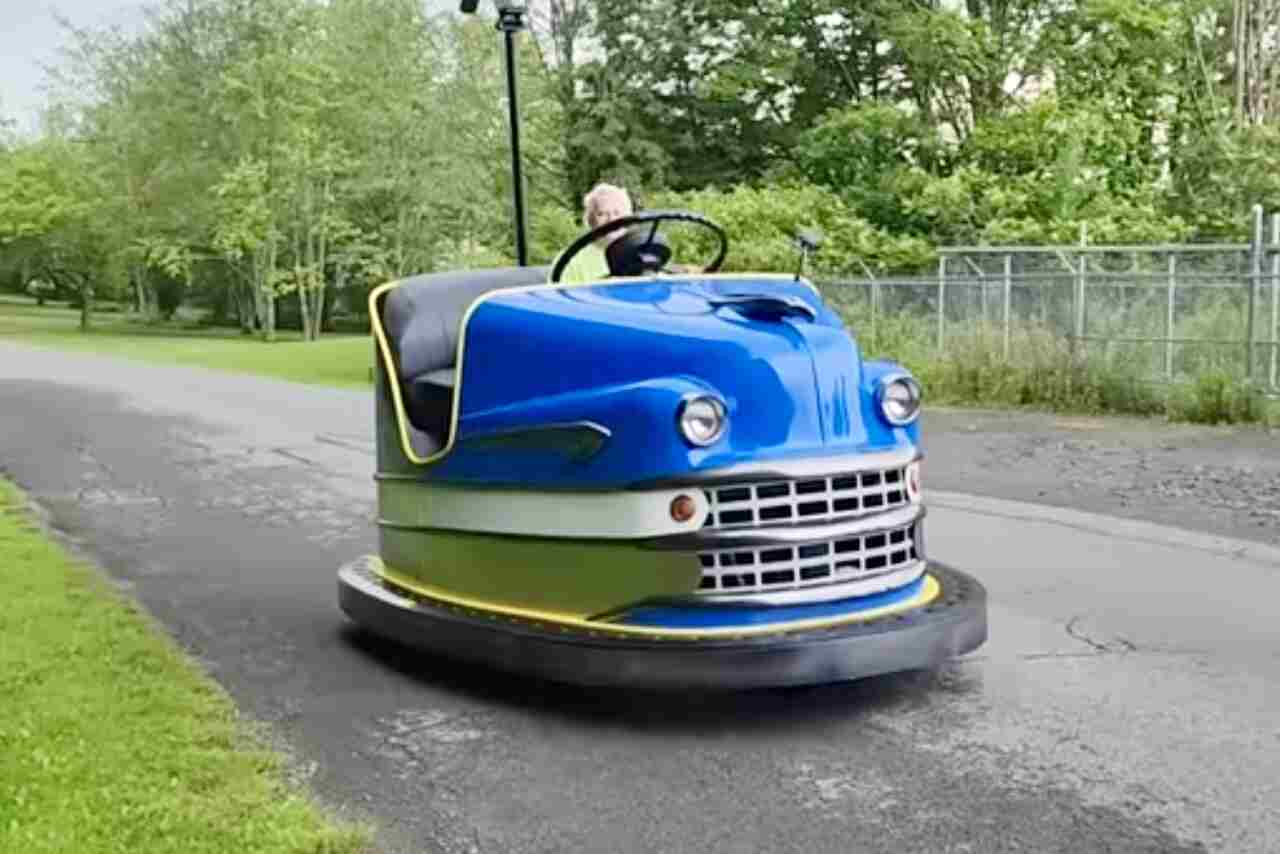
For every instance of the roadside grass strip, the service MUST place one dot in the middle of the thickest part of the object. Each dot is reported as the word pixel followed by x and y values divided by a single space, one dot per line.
pixel 343 361
pixel 111 741
pixel 1046 375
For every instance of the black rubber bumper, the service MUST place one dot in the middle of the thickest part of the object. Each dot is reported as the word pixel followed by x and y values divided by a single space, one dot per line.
pixel 920 639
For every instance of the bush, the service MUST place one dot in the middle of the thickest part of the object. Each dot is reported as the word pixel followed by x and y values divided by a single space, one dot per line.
pixel 1046 372
pixel 1218 398
pixel 762 223
pixel 349 324
pixel 170 292
pixel 41 290
pixel 551 230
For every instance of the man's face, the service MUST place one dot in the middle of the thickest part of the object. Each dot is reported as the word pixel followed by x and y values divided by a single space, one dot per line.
pixel 608 208
pixel 611 207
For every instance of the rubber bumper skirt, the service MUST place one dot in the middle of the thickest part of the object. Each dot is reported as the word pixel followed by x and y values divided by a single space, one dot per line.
pixel 919 639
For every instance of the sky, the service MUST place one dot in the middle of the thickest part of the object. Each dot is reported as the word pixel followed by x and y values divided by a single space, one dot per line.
pixel 30 36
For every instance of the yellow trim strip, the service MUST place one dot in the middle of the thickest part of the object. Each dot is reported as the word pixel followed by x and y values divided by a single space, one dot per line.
pixel 385 349
pixel 928 593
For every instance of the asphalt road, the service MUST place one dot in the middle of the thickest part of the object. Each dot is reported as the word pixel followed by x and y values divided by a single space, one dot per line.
pixel 1120 705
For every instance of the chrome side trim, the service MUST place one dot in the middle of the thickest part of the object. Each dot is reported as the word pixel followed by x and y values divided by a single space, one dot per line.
pixel 808 467
pixel 710 539
pixel 567 515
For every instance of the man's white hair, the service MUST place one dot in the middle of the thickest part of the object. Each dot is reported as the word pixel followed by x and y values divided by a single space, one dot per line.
pixel 599 193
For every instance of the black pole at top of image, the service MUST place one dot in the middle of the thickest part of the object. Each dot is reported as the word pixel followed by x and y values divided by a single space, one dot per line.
pixel 510 22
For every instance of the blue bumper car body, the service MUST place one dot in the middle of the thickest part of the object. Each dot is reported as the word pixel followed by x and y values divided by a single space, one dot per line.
pixel 689 480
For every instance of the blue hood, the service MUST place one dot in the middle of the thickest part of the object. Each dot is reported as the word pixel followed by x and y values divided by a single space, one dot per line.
pixel 622 356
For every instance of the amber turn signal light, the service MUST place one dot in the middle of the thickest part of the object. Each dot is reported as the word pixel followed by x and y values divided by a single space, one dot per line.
pixel 683 508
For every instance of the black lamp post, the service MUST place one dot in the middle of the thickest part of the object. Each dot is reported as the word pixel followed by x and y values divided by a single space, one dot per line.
pixel 511 21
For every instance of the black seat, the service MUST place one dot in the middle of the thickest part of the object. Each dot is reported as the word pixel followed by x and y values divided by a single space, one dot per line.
pixel 423 319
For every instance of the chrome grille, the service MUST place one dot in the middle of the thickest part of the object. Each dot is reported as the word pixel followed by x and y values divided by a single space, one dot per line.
pixel 789 567
pixel 806 500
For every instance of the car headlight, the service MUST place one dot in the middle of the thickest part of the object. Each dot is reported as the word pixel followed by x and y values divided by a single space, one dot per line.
pixel 899 396
pixel 702 420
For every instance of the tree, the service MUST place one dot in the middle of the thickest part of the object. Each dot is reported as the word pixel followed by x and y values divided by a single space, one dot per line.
pixel 1255 25
pixel 969 61
pixel 861 151
pixel 50 212
pixel 712 92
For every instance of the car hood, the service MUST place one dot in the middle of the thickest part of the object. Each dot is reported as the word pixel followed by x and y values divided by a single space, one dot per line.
pixel 618 358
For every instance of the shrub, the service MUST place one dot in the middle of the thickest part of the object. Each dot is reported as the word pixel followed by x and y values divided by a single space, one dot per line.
pixel 762 223
pixel 1216 397
pixel 1045 371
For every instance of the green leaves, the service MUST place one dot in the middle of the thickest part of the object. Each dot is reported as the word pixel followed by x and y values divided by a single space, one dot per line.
pixel 297 148
pixel 762 224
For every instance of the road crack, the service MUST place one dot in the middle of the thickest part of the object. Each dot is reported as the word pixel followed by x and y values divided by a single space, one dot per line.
pixel 1117 644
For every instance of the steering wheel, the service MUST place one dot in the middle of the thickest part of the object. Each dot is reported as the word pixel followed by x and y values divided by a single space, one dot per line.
pixel 633 254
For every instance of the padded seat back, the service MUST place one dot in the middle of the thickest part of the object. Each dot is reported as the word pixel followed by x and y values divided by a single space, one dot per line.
pixel 423 316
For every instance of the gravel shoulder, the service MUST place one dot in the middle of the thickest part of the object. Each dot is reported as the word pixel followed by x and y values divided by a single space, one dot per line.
pixel 1216 480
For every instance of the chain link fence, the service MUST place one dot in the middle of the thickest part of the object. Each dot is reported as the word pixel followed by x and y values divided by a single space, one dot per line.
pixel 1168 312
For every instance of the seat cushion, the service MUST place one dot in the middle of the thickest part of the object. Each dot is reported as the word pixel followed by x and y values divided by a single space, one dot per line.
pixel 422 318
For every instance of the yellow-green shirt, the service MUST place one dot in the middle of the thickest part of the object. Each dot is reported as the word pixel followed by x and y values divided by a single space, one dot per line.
pixel 587 266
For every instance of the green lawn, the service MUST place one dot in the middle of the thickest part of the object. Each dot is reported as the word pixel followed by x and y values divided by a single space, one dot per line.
pixel 336 360
pixel 111 741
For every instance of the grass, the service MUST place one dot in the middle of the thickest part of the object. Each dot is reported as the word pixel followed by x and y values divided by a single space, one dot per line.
pixel 110 740
pixel 335 360
pixel 1044 372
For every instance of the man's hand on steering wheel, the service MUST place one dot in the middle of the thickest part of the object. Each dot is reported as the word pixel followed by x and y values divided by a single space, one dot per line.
pixel 640 251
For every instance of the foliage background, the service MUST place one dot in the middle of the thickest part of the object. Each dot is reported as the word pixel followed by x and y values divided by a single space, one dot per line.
pixel 269 162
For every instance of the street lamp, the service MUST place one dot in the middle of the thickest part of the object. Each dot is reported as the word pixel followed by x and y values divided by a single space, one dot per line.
pixel 511 21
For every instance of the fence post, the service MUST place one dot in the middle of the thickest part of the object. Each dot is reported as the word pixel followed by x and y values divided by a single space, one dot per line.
pixel 982 283
pixel 1168 315
pixel 942 301
pixel 874 285
pixel 1008 298
pixel 1275 300
pixel 875 310
pixel 1080 286
pixel 1254 276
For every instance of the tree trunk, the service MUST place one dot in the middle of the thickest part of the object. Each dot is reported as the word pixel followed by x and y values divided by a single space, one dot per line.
pixel 304 306
pixel 86 306
pixel 242 296
pixel 321 259
pixel 302 280
pixel 145 294
pixel 317 312
pixel 268 294
pixel 256 291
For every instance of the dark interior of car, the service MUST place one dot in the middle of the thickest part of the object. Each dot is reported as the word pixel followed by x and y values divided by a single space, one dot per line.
pixel 423 318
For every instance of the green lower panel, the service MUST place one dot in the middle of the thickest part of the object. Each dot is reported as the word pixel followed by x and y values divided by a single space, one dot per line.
pixel 570 577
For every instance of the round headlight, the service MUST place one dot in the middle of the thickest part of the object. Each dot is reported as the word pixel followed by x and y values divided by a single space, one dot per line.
pixel 899 399
pixel 702 420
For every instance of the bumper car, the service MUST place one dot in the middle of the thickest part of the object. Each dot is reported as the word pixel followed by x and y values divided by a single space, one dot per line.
pixel 659 479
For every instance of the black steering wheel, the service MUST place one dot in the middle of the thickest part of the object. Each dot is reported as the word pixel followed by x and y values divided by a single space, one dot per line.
pixel 635 253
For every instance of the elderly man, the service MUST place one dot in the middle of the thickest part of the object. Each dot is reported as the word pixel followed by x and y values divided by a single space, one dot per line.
pixel 605 203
